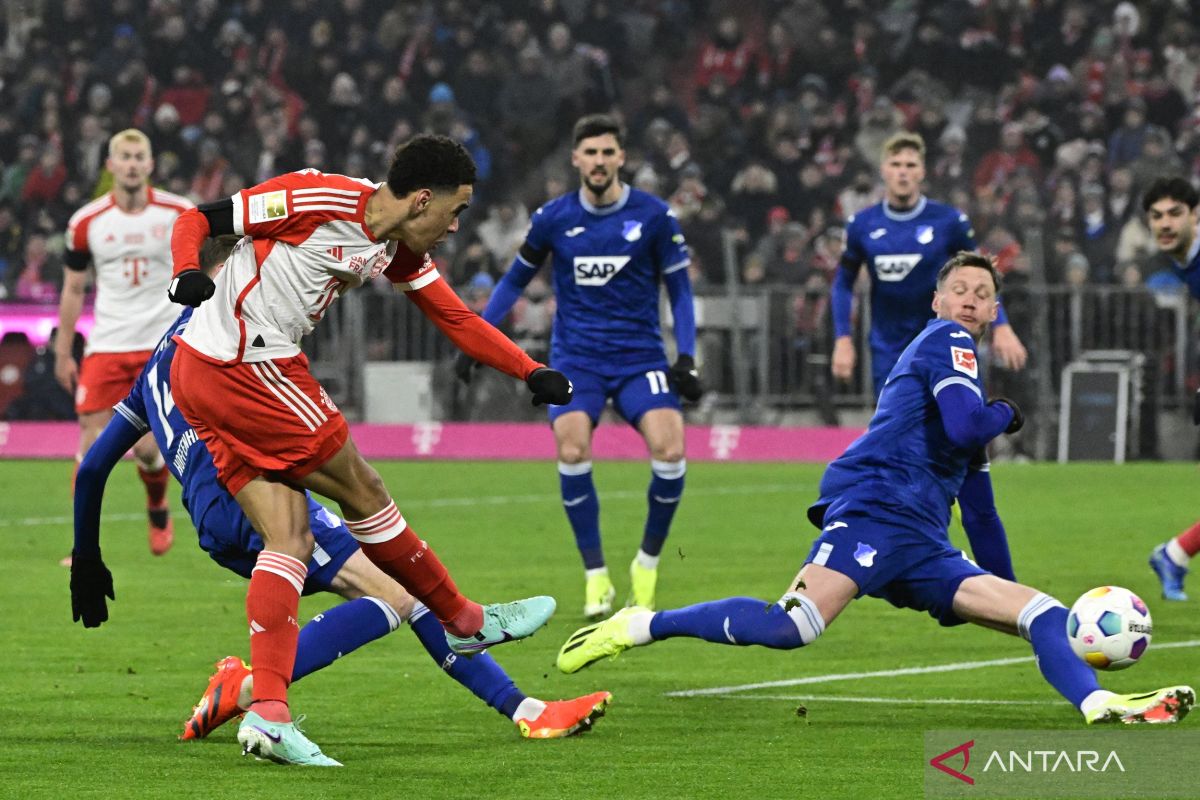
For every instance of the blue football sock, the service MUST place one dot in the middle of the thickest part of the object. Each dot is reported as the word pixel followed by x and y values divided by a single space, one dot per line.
pixel 1044 623
pixel 583 510
pixel 734 620
pixel 341 630
pixel 486 679
pixel 666 489
pixel 981 521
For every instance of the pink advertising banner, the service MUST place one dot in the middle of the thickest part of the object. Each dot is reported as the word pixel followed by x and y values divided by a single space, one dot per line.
pixel 454 440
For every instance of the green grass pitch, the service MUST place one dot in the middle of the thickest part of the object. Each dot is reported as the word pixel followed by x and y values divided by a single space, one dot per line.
pixel 94 713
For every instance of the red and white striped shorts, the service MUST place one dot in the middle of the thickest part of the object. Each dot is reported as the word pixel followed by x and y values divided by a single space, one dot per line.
pixel 269 418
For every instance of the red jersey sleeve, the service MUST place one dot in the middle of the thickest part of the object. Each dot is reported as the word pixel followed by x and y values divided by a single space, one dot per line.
pixel 469 332
pixel 290 207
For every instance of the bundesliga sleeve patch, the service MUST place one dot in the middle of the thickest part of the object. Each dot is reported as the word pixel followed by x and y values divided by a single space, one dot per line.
pixel 964 361
pixel 268 206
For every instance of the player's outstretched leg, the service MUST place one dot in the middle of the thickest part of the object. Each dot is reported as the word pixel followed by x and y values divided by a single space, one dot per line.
pixel 792 622
pixel 505 622
pixel 1170 562
pixel 281 742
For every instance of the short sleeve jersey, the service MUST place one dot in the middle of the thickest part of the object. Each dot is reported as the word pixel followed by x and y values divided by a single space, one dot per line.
pixel 905 465
pixel 131 253
pixel 607 265
pixel 903 253
pixel 305 241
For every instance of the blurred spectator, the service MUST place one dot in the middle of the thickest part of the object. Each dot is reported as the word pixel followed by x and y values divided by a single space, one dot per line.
pixel 779 257
pixel 503 231
pixel 44 181
pixel 726 56
pixel 41 276
pixel 209 181
pixel 1125 143
pixel 998 166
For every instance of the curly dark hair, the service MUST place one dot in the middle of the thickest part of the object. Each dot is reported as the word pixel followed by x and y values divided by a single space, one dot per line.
pixel 1173 188
pixel 430 162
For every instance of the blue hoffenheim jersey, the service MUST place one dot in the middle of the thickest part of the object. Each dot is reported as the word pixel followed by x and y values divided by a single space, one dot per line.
pixel 150 406
pixel 607 267
pixel 1190 275
pixel 905 464
pixel 903 252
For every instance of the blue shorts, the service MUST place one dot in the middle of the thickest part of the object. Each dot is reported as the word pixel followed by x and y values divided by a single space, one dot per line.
pixel 229 538
pixel 895 563
pixel 633 393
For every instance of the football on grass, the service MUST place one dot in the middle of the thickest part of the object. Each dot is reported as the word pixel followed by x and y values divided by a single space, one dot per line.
pixel 1109 627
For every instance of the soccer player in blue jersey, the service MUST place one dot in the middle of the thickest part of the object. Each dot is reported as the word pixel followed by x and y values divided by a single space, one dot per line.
pixel 903 241
pixel 611 247
pixel 377 604
pixel 883 514
pixel 1170 206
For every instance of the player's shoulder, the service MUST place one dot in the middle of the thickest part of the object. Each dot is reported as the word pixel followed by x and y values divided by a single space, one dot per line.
pixel 161 197
pixel 92 209
pixel 944 332
pixel 311 178
pixel 864 217
pixel 641 199
pixel 945 211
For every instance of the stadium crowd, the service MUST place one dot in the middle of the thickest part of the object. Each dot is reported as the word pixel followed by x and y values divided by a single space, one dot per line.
pixel 763 117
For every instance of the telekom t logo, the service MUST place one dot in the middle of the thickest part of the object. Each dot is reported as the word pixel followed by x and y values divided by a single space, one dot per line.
pixel 938 762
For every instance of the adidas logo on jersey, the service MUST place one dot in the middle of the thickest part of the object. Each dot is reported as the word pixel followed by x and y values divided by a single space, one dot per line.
pixel 895 268
pixel 335 251
pixel 597 270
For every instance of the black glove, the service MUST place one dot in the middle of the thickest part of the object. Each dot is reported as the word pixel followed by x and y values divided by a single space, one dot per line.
pixel 464 367
pixel 1196 408
pixel 1018 420
pixel 91 582
pixel 686 379
pixel 191 288
pixel 549 386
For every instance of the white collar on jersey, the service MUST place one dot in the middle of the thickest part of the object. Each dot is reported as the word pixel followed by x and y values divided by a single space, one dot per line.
pixel 608 209
pixel 903 216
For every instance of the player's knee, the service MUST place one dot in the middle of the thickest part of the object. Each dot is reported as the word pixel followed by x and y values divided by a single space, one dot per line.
pixel 397 606
pixel 574 453
pixel 669 451
pixel 804 614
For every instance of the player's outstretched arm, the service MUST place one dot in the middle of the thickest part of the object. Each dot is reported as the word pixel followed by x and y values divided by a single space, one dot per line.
pixel 503 298
pixel 91 581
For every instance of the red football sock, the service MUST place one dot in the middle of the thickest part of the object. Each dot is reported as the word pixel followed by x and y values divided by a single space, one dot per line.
pixel 387 540
pixel 272 603
pixel 156 485
pixel 1189 540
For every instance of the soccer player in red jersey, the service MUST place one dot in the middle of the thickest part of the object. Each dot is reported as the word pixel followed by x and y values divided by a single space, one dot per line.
pixel 242 382
pixel 126 236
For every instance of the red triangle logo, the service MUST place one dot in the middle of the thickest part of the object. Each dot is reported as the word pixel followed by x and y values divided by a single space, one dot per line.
pixel 938 762
pixel 336 252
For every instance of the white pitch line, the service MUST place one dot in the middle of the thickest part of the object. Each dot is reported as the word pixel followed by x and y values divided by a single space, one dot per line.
pixel 918 701
pixel 460 502
pixel 957 666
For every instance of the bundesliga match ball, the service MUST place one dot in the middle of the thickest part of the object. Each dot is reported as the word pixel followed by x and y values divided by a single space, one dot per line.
pixel 1109 627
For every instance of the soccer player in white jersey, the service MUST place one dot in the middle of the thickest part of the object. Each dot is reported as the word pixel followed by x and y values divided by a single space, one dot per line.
pixel 126 236
pixel 242 382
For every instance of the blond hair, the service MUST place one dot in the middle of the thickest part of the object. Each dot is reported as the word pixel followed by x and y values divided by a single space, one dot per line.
pixel 904 140
pixel 132 135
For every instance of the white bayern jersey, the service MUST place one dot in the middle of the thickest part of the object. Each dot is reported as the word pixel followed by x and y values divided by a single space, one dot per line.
pixel 304 243
pixel 131 253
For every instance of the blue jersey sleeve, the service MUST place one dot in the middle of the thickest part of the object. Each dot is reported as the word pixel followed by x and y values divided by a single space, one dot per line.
pixel 963 234
pixel 671 254
pixel 950 366
pixel 842 294
pixel 118 436
pixel 670 249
